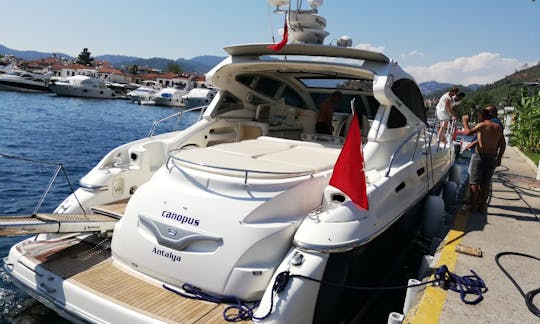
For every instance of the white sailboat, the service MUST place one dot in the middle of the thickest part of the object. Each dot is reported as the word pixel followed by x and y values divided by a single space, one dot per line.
pixel 228 205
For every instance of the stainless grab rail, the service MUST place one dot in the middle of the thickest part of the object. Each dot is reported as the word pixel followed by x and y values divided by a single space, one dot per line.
pixel 400 146
pixel 245 171
pixel 417 132
pixel 179 114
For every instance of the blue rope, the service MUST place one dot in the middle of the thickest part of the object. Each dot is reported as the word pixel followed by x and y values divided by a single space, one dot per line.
pixel 244 310
pixel 465 285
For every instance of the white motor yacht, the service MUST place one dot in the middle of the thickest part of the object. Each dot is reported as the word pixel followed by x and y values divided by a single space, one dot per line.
pixel 83 86
pixel 15 79
pixel 144 92
pixel 172 96
pixel 227 208
pixel 199 97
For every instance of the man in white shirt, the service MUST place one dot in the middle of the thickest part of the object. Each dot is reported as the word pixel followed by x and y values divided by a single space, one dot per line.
pixel 444 112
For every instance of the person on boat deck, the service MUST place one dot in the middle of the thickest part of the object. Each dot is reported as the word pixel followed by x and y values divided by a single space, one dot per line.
pixel 444 112
pixel 489 151
pixel 324 120
pixel 457 100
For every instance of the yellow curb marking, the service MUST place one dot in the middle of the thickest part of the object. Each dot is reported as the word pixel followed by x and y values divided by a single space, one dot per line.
pixel 430 307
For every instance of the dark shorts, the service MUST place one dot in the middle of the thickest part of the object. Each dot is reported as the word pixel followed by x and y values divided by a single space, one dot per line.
pixel 323 128
pixel 482 167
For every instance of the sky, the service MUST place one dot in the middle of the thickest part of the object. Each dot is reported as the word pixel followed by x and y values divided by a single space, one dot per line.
pixel 459 41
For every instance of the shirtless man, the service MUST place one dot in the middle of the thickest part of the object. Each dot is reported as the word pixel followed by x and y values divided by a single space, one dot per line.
pixel 324 120
pixel 489 151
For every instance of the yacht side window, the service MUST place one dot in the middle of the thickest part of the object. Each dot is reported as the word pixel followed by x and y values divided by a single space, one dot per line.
pixel 228 102
pixel 396 119
pixel 408 92
pixel 292 98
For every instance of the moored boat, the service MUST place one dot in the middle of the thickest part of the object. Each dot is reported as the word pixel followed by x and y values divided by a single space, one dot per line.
pixel 227 206
pixel 19 80
pixel 198 97
pixel 83 86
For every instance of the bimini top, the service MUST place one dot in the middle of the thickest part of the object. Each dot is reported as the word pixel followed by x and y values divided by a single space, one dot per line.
pixel 307 49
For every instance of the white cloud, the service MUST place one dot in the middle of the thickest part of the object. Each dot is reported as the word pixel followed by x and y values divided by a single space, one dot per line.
pixel 413 53
pixel 481 68
pixel 370 47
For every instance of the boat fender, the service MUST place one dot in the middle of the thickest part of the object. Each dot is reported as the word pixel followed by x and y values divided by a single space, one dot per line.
pixel 449 194
pixel 455 174
pixel 465 285
pixel 433 213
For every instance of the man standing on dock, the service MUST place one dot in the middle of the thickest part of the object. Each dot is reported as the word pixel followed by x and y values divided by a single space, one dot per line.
pixel 489 152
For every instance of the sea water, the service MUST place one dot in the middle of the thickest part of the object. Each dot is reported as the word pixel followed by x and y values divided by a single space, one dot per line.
pixel 40 130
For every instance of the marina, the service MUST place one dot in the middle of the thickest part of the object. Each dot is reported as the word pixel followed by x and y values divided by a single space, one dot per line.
pixel 309 186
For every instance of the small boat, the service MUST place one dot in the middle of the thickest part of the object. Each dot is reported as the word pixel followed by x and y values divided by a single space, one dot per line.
pixel 197 97
pixel 246 197
pixel 172 96
pixel 15 79
pixel 144 92
pixel 83 86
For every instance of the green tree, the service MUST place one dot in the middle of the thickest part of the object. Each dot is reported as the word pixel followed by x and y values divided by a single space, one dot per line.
pixel 174 67
pixel 84 58
pixel 134 69
pixel 526 127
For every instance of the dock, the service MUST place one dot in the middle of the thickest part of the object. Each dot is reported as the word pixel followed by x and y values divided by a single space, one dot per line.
pixel 511 224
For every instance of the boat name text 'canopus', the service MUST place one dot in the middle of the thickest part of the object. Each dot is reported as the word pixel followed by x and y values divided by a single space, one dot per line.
pixel 180 218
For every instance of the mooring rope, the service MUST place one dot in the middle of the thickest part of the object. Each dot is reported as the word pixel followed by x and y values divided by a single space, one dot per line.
pixel 59 167
pixel 465 285
pixel 529 296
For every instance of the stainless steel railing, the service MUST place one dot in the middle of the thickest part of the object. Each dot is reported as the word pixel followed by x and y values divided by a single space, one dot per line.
pixel 179 115
pixel 246 172
pixel 433 129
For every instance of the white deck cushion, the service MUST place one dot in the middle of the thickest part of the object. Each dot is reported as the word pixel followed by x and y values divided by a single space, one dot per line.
pixel 265 157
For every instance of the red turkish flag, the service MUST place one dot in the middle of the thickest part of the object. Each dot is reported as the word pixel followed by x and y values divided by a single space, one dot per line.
pixel 348 173
pixel 278 46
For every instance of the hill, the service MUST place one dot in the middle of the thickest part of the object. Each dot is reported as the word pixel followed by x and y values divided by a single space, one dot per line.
pixel 115 60
pixel 193 65
pixel 200 64
pixel 30 55
pixel 504 91
pixel 428 87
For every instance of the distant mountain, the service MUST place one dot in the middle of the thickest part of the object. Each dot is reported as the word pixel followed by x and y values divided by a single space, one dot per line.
pixel 427 88
pixel 116 59
pixel 199 64
pixel 506 91
pixel 208 60
pixel 29 55
pixel 474 86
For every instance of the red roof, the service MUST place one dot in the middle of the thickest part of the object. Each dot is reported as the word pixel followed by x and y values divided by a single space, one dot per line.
pixel 166 75
pixel 106 69
pixel 76 66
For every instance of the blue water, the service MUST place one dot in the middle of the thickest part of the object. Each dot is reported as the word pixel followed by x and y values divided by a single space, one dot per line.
pixel 72 131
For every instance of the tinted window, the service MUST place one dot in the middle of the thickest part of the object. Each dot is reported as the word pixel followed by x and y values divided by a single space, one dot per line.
pixel 267 86
pixel 407 91
pixel 292 98
pixel 396 119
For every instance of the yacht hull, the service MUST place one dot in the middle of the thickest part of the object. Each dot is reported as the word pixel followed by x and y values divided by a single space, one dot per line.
pixel 83 292
pixel 83 92
pixel 27 87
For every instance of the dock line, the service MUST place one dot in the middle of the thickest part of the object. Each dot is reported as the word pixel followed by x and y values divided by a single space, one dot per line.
pixel 529 297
